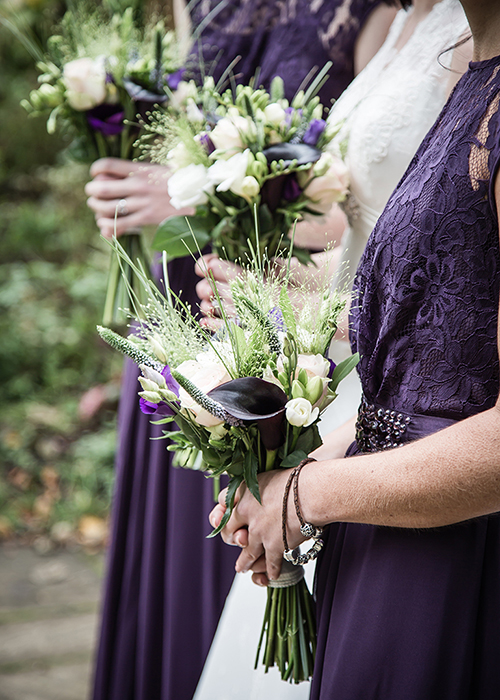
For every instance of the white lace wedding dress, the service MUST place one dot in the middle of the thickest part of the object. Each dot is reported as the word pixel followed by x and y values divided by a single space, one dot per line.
pixel 387 110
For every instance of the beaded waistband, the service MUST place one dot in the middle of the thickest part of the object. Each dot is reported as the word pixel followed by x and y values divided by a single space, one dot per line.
pixel 379 428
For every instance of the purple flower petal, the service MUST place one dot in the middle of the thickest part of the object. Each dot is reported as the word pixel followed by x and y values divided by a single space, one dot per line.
pixel 291 190
pixel 174 79
pixel 108 119
pixel 332 368
pixel 314 131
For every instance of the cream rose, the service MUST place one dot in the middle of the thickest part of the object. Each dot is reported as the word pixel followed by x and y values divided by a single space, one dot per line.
pixel 300 413
pixel 85 82
pixel 188 187
pixel 226 135
pixel 205 376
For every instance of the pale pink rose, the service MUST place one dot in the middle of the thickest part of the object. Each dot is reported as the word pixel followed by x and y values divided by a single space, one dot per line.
pixel 85 82
pixel 328 182
pixel 315 365
pixel 206 376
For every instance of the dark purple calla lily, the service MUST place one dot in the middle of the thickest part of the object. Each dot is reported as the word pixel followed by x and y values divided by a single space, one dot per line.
pixel 139 94
pixel 291 190
pixel 254 400
pixel 332 368
pixel 314 131
pixel 108 119
pixel 288 152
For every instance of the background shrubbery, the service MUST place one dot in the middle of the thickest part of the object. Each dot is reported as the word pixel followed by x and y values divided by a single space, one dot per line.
pixel 59 383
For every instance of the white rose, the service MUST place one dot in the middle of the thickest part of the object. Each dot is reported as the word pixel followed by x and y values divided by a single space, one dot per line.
pixel 188 187
pixel 226 135
pixel 206 377
pixel 315 365
pixel 85 82
pixel 300 413
pixel 178 157
pixel 325 190
pixel 230 174
pixel 275 114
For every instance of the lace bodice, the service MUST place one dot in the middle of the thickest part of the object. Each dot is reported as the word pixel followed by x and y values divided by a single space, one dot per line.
pixel 285 37
pixel 425 321
pixel 388 109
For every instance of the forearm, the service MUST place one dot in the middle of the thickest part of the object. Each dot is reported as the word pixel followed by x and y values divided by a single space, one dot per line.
pixel 448 477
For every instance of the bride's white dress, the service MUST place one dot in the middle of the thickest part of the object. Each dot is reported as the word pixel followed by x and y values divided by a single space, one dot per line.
pixel 387 109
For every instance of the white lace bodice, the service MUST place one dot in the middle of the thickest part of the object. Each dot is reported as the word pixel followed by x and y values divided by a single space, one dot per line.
pixel 388 109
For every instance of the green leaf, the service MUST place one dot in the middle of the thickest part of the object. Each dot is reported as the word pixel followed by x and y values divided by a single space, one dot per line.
pixel 309 439
pixel 250 474
pixel 293 459
pixel 232 487
pixel 342 370
pixel 181 235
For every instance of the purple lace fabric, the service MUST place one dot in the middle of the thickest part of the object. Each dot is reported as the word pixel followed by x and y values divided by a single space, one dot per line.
pixel 405 613
pixel 425 321
pixel 282 38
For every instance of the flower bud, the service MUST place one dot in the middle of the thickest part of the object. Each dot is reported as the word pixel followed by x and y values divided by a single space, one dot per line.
pixel 148 385
pixel 314 389
pixel 153 376
pixel 151 396
pixel 250 188
pixel 298 391
pixel 157 348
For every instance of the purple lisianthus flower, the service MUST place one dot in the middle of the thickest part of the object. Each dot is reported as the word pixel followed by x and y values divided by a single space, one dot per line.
pixel 291 189
pixel 162 408
pixel 108 119
pixel 174 79
pixel 207 143
pixel 314 131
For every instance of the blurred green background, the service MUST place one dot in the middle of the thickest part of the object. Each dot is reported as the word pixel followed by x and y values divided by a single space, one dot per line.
pixel 59 383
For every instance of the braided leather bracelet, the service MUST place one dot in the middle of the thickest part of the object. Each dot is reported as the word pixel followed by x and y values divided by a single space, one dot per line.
pixel 306 529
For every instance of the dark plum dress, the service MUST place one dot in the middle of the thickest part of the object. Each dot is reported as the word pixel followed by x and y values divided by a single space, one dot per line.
pixel 166 583
pixel 415 614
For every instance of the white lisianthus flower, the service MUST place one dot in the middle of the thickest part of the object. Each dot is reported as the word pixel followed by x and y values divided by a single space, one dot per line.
pixel 85 82
pixel 300 413
pixel 226 136
pixel 328 182
pixel 230 174
pixel 205 376
pixel 188 187
pixel 178 157
pixel 275 114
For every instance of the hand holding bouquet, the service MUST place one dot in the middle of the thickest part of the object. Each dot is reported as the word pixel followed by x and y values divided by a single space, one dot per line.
pixel 101 71
pixel 246 400
pixel 247 160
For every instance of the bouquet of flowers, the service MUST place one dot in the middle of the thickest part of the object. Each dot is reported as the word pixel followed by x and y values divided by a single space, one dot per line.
pixel 99 72
pixel 239 151
pixel 246 400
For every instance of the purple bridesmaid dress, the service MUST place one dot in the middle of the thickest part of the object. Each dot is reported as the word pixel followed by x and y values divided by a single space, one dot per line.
pixel 166 583
pixel 410 614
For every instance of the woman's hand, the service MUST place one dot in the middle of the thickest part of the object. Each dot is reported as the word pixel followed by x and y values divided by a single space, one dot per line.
pixel 257 528
pixel 137 192
pixel 222 272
